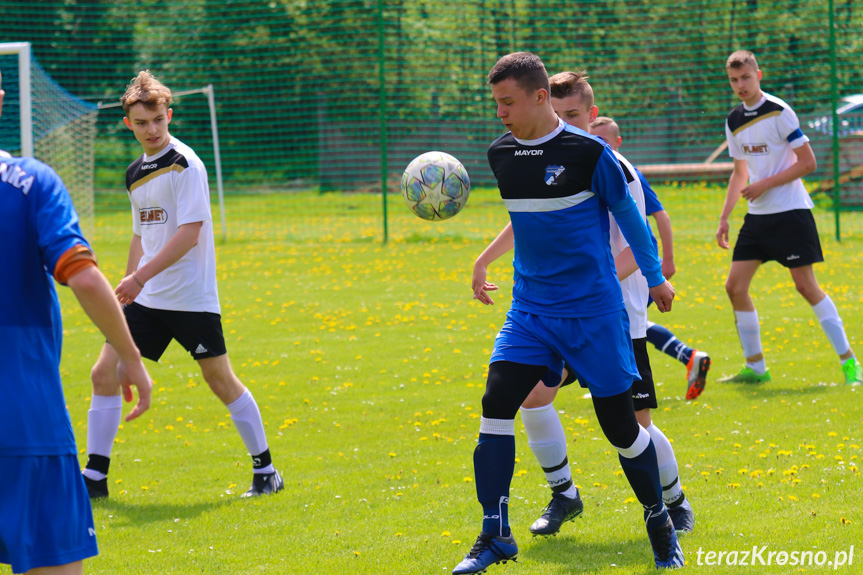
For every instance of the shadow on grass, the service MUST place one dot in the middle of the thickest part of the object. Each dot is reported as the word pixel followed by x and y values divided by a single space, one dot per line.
pixel 138 514
pixel 769 390
pixel 586 557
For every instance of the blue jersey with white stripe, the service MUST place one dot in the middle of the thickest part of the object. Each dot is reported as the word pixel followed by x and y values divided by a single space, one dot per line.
pixel 39 226
pixel 558 190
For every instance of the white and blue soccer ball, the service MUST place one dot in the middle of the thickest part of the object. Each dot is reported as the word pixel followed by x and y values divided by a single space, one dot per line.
pixel 435 186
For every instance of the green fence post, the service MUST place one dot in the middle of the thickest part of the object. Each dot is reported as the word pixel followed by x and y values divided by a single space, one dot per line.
pixel 834 102
pixel 382 112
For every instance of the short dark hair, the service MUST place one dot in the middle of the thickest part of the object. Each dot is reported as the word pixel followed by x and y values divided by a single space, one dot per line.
pixel 741 58
pixel 566 84
pixel 524 67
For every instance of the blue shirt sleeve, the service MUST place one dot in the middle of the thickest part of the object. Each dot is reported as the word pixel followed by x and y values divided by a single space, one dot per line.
pixel 651 200
pixel 608 181
pixel 57 223
pixel 636 233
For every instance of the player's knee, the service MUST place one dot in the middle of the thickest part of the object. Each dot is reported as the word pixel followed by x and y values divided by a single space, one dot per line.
pixel 496 405
pixel 104 379
pixel 733 289
pixel 810 292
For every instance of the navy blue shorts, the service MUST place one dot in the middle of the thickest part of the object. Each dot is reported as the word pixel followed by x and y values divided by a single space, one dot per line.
pixel 199 332
pixel 45 514
pixel 598 348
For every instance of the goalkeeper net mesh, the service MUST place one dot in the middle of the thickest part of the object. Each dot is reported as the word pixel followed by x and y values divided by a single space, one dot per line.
pixel 63 130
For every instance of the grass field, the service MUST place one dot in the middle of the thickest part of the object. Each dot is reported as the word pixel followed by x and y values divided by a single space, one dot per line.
pixel 368 361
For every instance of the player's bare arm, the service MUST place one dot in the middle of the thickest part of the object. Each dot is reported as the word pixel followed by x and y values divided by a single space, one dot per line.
pixel 666 237
pixel 96 298
pixel 804 165
pixel 184 240
pixel 625 264
pixel 738 180
pixel 504 242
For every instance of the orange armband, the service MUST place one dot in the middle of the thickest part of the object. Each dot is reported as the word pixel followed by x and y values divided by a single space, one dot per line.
pixel 72 261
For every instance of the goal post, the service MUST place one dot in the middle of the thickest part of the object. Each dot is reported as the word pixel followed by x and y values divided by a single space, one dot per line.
pixel 43 120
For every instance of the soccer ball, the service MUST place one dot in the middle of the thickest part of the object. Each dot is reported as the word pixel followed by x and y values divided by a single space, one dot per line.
pixel 435 186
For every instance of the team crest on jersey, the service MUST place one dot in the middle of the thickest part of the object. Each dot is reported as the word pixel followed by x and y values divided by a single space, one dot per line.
pixel 554 175
pixel 151 216
pixel 756 149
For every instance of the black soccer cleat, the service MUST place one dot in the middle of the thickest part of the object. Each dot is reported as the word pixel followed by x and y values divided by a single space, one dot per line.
pixel 682 517
pixel 96 489
pixel 265 484
pixel 560 510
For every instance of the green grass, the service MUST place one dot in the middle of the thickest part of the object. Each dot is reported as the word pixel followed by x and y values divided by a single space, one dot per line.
pixel 368 361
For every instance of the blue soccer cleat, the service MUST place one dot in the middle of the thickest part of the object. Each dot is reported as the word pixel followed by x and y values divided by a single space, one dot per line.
pixel 488 550
pixel 667 553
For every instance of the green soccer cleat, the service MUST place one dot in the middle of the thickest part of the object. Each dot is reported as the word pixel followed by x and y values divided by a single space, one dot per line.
pixel 747 375
pixel 853 371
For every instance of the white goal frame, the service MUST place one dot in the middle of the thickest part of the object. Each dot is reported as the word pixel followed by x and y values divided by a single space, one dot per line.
pixel 22 49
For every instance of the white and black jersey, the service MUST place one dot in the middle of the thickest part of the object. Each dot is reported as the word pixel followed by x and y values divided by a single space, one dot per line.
pixel 634 287
pixel 766 136
pixel 168 190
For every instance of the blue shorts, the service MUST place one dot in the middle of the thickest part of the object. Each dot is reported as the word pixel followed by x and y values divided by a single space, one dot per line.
pixel 46 516
pixel 598 348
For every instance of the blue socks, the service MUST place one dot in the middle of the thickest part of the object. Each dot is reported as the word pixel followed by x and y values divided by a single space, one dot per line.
pixel 667 343
pixel 494 464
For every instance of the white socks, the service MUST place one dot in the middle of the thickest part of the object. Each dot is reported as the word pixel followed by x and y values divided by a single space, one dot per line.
pixel 247 418
pixel 749 332
pixel 668 474
pixel 831 323
pixel 103 421
pixel 547 440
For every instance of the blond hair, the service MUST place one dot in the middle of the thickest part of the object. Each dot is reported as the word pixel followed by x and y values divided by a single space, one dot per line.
pixel 145 89
pixel 606 121
pixel 741 58
pixel 566 84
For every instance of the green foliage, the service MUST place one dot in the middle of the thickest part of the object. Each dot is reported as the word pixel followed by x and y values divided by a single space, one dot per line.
pixel 297 82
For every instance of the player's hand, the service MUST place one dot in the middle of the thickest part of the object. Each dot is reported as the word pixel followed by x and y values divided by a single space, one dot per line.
pixel 127 290
pixel 668 268
pixel 135 374
pixel 480 286
pixel 662 295
pixel 722 234
pixel 752 191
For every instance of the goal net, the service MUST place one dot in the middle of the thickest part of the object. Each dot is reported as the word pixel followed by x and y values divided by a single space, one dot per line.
pixel 42 119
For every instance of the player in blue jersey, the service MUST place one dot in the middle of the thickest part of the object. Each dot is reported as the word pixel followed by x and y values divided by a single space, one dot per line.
pixel 558 185
pixel 572 99
pixel 771 155
pixel 170 291
pixel 697 362
pixel 46 524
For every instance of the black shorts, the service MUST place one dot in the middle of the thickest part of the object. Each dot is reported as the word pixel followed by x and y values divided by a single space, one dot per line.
pixel 643 390
pixel 199 332
pixel 790 238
